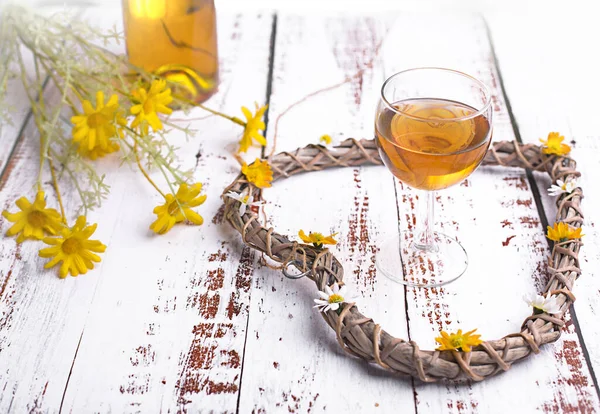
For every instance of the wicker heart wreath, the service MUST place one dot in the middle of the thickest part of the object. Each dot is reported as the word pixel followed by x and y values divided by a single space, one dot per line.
pixel 361 336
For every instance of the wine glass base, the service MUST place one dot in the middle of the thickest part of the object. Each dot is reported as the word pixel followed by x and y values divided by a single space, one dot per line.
pixel 414 266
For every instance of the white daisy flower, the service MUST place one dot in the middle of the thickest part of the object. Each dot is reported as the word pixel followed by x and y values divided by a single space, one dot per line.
pixel 246 200
pixel 562 187
pixel 328 141
pixel 549 305
pixel 331 299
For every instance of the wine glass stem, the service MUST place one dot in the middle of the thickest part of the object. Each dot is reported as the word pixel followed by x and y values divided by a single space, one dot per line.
pixel 424 240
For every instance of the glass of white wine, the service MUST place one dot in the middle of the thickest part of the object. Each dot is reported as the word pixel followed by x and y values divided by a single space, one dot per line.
pixel 433 127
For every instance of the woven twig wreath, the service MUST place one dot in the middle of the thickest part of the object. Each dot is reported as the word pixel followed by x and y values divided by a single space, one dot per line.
pixel 359 335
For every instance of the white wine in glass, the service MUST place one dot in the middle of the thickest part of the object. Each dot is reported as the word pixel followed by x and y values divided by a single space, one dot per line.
pixel 433 127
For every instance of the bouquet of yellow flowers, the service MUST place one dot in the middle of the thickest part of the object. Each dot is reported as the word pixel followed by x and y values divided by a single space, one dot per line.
pixel 104 105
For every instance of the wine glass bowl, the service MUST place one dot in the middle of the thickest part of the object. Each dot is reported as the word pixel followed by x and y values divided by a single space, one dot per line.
pixel 433 127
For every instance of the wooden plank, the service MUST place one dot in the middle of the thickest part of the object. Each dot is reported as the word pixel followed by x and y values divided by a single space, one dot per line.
pixel 484 212
pixel 39 324
pixel 293 362
pixel 50 326
pixel 541 104
pixel 502 206
pixel 12 128
pixel 184 345
pixel 112 341
pixel 10 132
pixel 161 323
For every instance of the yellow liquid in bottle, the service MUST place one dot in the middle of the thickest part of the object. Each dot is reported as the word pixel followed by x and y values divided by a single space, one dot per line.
pixel 176 39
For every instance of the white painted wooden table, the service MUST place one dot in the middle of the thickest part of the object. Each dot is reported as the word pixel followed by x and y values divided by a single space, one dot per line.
pixel 191 322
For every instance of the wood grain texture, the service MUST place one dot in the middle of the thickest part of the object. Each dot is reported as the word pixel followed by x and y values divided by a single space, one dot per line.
pixel 499 205
pixel 41 320
pixel 493 213
pixel 299 362
pixel 186 327
pixel 11 130
pixel 188 322
pixel 161 323
pixel 553 88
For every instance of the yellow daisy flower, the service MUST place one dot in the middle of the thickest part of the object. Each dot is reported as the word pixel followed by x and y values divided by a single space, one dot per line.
pixel 178 208
pixel 458 340
pixel 326 139
pixel 258 173
pixel 97 151
pixel 254 123
pixel 561 232
pixel 317 239
pixel 33 219
pixel 554 145
pixel 151 102
pixel 73 249
pixel 94 128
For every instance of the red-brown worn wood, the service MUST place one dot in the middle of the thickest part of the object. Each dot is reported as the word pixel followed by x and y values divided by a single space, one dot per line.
pixel 551 85
pixel 160 324
pixel 190 322
pixel 493 213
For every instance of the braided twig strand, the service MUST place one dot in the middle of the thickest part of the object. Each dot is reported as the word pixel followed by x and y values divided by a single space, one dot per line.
pixel 360 335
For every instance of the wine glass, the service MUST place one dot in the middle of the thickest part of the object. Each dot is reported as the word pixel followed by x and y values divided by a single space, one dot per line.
pixel 433 127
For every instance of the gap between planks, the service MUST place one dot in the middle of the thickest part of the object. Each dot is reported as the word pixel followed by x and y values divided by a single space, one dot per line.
pixel 65 401
pixel 8 167
pixel 508 125
pixel 532 183
pixel 272 43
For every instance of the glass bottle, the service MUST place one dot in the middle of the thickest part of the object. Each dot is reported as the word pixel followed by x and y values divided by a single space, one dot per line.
pixel 176 39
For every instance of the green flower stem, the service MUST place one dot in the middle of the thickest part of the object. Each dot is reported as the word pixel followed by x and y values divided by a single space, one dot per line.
pixel 68 56
pixel 24 79
pixel 63 91
pixel 157 157
pixel 51 59
pixel 71 174
pixel 137 159
pixel 43 148
pixel 134 149
pixel 170 153
pixel 171 186
pixel 33 104
pixel 94 49
pixel 186 101
pixel 56 190
pixel 175 126
pixel 212 111
pixel 45 141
